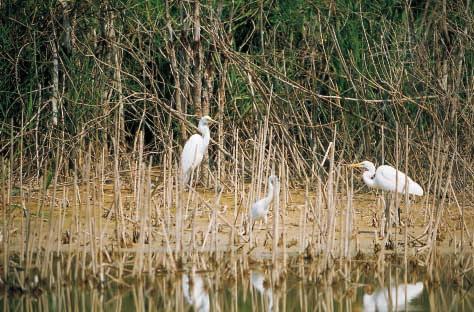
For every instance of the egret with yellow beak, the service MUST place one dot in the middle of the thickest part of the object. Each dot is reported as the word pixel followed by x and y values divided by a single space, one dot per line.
pixel 195 148
pixel 388 179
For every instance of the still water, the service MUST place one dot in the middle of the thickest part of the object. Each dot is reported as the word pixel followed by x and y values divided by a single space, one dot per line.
pixel 357 286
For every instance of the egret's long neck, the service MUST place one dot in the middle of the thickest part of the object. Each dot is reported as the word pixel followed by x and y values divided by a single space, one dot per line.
pixel 269 197
pixel 206 134
pixel 368 177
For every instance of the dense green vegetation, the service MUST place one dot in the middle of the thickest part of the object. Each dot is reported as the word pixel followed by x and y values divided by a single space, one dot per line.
pixel 79 72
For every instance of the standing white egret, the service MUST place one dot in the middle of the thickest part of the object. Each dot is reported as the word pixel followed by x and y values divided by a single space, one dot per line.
pixel 195 148
pixel 260 208
pixel 387 179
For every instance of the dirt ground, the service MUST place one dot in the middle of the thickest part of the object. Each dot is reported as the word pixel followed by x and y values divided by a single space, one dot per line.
pixel 301 224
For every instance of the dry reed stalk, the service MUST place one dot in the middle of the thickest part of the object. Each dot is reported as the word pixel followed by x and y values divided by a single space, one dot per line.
pixel 118 208
pixel 302 223
pixel 285 177
pixel 5 227
pixel 9 203
pixel 212 225
pixel 431 157
pixel 264 140
pixel 141 210
pixel 138 181
pixel 461 207
pixel 397 202
pixel 215 225
pixel 407 207
pixel 235 182
pixel 331 214
pixel 179 218
pixel 276 237
pixel 432 237
pixel 253 192
pixel 167 237
pixel 76 215
pixel 50 235
pixel 83 232
pixel 319 214
pixel 25 239
pixel 243 201
pixel 149 225
pixel 342 221
pixel 349 217
pixel 168 189
pixel 439 163
pixel 90 213
pixel 383 213
pixel 101 229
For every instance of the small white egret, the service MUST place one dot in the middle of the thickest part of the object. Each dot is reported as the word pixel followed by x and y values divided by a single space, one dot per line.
pixel 385 178
pixel 260 208
pixel 398 299
pixel 194 149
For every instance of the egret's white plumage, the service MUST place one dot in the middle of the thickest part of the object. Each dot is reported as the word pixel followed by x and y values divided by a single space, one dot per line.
pixel 398 299
pixel 260 208
pixel 385 178
pixel 194 149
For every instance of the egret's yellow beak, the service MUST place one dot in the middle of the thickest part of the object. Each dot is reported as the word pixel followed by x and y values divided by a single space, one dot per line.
pixel 356 165
pixel 209 119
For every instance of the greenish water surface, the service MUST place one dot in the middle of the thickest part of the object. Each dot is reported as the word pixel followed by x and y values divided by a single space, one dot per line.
pixel 354 287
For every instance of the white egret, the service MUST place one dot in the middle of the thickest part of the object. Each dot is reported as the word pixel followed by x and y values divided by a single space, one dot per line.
pixel 195 292
pixel 260 208
pixel 398 299
pixel 385 178
pixel 388 179
pixel 195 148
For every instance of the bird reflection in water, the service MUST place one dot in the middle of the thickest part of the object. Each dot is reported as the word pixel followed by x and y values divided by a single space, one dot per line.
pixel 195 292
pixel 258 282
pixel 398 299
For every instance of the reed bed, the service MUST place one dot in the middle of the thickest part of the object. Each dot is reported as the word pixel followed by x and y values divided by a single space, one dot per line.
pixel 107 226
